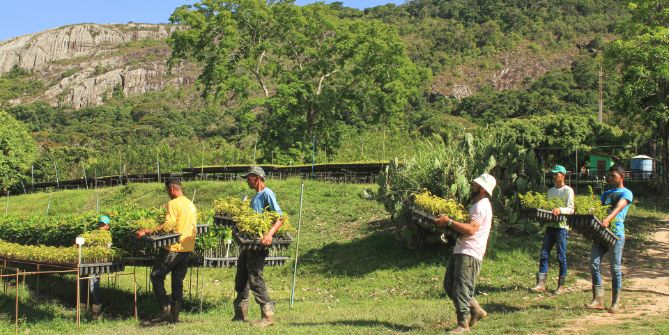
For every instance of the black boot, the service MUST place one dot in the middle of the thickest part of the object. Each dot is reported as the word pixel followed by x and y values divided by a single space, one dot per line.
pixel 164 316
pixel 241 310
pixel 175 308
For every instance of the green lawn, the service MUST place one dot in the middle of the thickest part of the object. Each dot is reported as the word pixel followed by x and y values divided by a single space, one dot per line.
pixel 353 277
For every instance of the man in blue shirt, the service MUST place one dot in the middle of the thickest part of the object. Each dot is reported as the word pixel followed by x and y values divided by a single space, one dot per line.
pixel 620 199
pixel 250 264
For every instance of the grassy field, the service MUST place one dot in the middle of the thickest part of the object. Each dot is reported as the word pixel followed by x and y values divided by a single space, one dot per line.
pixel 353 277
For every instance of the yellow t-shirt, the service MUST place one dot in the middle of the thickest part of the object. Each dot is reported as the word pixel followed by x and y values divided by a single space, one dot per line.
pixel 182 213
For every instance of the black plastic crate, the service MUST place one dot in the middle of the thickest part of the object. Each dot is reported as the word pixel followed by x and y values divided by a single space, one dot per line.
pixel 202 228
pixel 246 243
pixel 219 262
pixel 225 262
pixel 224 220
pixel 590 227
pixel 94 269
pixel 276 261
pixel 426 220
pixel 541 215
pixel 159 241
pixel 139 261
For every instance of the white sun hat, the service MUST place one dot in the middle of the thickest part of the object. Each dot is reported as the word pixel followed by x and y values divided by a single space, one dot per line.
pixel 486 181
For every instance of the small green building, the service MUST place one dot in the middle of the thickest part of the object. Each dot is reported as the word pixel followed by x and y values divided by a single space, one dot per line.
pixel 600 164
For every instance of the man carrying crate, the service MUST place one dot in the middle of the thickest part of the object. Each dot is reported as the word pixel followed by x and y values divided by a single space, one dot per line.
pixel 182 214
pixel 250 264
pixel 465 263
pixel 556 232
pixel 619 198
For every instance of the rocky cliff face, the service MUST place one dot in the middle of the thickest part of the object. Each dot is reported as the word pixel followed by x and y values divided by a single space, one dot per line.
pixel 83 64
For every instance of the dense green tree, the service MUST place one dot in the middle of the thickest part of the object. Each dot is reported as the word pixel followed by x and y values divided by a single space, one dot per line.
pixel 642 58
pixel 17 151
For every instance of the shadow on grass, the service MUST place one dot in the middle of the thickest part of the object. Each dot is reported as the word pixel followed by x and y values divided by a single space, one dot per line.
pixel 376 251
pixel 118 303
pixel 359 323
pixel 28 312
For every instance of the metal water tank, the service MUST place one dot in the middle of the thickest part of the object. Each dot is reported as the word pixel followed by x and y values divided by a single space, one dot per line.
pixel 642 166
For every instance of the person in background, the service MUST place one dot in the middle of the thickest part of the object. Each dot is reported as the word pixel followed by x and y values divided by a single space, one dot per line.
pixel 90 288
pixel 556 232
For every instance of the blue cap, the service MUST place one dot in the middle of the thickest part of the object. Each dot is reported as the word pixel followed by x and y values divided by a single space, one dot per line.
pixel 104 219
pixel 559 169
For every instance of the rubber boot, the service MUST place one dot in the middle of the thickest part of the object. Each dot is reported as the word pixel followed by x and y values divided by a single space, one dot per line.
pixel 95 311
pixel 241 310
pixel 175 308
pixel 267 316
pixel 477 312
pixel 164 316
pixel 463 324
pixel 541 283
pixel 597 298
pixel 560 287
pixel 616 306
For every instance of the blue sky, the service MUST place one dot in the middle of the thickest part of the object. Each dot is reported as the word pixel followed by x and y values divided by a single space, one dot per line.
pixel 30 16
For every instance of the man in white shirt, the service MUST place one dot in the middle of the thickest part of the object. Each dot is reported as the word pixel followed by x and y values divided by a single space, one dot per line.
pixel 556 232
pixel 465 263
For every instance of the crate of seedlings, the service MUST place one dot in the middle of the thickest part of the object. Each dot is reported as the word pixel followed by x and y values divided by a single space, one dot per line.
pixel 202 228
pixel 426 207
pixel 589 226
pixel 95 269
pixel 222 220
pixel 226 210
pixel 157 239
pixel 220 262
pixel 532 208
pixel 251 227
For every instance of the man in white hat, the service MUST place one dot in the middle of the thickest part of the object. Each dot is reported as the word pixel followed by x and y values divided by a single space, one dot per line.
pixel 465 263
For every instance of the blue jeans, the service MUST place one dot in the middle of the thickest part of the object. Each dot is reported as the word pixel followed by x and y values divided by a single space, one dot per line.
pixel 558 237
pixel 615 259
pixel 93 289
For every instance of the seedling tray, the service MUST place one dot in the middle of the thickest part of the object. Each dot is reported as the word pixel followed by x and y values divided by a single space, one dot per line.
pixel 225 262
pixel 202 229
pixel 541 215
pixel 222 262
pixel 224 220
pixel 427 220
pixel 590 227
pixel 94 269
pixel 159 241
pixel 246 243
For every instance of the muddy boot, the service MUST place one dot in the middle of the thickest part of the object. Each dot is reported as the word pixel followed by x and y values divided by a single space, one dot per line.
pixel 96 310
pixel 241 310
pixel 541 283
pixel 164 316
pixel 463 324
pixel 267 312
pixel 597 298
pixel 175 308
pixel 616 306
pixel 477 312
pixel 560 288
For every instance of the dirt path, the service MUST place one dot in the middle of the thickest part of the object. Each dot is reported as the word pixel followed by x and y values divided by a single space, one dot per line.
pixel 646 291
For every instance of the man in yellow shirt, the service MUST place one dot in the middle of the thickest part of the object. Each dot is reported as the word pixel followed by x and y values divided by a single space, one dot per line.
pixel 182 215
